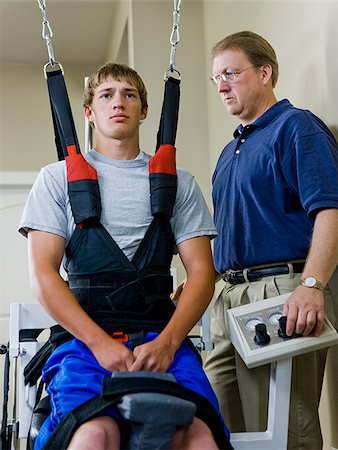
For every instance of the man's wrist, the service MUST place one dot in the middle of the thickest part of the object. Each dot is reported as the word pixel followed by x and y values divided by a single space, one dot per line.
pixel 312 283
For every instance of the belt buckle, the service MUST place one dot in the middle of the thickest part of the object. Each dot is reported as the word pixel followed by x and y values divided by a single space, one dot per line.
pixel 226 276
pixel 230 277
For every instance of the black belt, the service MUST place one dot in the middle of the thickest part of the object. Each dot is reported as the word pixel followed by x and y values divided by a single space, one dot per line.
pixel 255 274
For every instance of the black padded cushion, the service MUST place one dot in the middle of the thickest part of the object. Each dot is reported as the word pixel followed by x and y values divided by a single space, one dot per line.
pixel 41 411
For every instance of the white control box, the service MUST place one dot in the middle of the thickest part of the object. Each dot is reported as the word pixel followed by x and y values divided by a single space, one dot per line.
pixel 242 323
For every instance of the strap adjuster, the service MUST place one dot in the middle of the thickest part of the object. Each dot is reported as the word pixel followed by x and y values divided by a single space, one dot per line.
pixel 120 336
pixel 135 339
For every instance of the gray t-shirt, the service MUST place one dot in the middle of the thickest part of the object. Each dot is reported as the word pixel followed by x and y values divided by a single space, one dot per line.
pixel 126 211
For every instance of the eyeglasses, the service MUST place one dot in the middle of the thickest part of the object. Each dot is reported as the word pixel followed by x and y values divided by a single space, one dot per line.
pixel 227 76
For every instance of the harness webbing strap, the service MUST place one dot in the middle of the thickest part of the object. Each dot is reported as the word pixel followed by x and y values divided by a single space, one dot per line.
pixel 65 133
pixel 163 180
pixel 169 114
pixel 112 392
pixel 162 166
pixel 32 371
pixel 83 187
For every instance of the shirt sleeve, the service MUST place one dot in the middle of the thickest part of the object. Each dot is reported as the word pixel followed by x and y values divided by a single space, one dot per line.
pixel 312 171
pixel 191 216
pixel 47 203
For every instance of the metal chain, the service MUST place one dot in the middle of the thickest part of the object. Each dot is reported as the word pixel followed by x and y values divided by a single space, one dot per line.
pixel 47 32
pixel 174 37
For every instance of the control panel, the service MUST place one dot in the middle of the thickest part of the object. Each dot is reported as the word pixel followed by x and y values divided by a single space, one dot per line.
pixel 257 331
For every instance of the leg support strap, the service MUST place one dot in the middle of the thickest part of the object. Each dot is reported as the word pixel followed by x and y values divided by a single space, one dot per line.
pixel 113 391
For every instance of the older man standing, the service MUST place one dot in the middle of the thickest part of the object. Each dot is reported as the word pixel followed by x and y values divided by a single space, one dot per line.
pixel 275 202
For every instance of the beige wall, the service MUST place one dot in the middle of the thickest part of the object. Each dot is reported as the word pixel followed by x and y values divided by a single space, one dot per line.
pixel 26 130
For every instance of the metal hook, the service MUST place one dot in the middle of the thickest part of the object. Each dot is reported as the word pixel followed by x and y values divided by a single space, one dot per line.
pixel 47 32
pixel 174 37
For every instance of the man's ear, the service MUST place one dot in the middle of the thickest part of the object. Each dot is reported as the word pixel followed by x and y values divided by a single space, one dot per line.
pixel 89 113
pixel 267 73
pixel 144 113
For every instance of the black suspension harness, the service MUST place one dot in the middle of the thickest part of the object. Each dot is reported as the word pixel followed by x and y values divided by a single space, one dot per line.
pixel 132 296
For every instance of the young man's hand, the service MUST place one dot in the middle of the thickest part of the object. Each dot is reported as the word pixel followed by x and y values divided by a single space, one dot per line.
pixel 153 356
pixel 113 355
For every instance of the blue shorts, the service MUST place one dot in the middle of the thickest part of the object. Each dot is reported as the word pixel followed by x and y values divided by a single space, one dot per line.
pixel 73 376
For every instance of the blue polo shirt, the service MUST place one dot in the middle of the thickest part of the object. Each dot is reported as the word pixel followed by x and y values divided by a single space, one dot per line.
pixel 268 184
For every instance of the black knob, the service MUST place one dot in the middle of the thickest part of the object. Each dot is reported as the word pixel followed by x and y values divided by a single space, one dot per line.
pixel 3 349
pixel 261 337
pixel 282 328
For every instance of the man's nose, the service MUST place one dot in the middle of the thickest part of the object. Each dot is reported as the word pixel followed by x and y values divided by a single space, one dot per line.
pixel 222 85
pixel 118 102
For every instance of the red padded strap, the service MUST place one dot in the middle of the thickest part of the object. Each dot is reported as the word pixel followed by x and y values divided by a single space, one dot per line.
pixel 79 169
pixel 164 160
pixel 71 149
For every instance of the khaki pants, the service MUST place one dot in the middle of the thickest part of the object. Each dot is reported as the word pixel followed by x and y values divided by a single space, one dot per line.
pixel 242 392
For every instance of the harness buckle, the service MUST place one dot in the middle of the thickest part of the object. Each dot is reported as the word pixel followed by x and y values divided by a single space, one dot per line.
pixel 120 336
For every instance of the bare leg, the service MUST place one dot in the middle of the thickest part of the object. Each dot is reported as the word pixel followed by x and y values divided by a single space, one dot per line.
pixel 101 433
pixel 198 435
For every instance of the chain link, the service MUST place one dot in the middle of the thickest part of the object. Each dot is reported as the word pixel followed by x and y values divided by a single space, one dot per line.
pixel 174 37
pixel 47 32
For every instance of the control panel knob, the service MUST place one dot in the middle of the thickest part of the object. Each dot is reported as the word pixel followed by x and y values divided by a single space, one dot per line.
pixel 3 349
pixel 282 328
pixel 261 337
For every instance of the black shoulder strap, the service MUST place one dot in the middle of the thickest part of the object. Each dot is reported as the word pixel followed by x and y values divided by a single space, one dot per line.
pixel 66 140
pixel 169 114
pixel 162 166
pixel 83 187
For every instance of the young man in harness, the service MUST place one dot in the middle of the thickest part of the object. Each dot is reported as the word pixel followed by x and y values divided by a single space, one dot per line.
pixel 116 302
